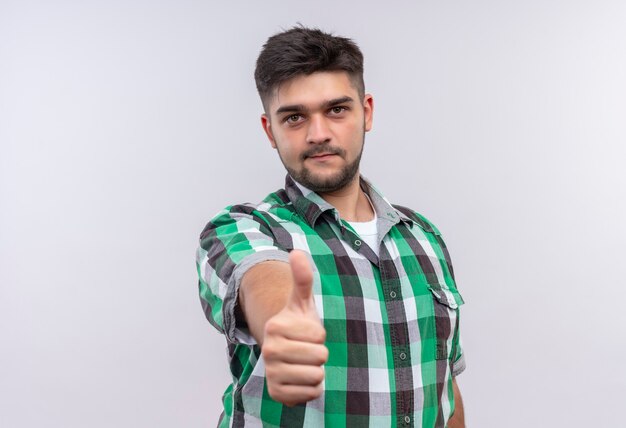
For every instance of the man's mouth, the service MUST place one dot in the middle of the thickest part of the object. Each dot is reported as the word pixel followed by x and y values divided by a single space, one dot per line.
pixel 322 155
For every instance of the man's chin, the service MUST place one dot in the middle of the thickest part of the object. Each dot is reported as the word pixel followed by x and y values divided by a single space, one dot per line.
pixel 323 184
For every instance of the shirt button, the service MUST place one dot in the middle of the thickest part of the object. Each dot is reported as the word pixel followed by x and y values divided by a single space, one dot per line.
pixel 392 294
pixel 403 357
pixel 357 243
pixel 407 419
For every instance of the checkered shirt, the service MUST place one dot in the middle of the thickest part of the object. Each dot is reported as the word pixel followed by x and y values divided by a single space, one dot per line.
pixel 392 320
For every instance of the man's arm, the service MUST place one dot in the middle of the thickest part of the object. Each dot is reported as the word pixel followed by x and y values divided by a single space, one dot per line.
pixel 242 272
pixel 277 302
pixel 458 418
pixel 263 293
pixel 235 240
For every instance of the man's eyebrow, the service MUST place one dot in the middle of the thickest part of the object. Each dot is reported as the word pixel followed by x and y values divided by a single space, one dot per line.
pixel 324 105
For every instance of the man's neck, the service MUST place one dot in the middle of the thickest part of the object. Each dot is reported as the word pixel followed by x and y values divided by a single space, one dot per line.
pixel 351 202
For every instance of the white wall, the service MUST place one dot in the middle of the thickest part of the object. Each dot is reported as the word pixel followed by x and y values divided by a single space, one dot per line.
pixel 124 126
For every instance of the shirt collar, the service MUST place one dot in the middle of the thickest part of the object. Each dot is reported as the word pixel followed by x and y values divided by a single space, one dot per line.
pixel 310 206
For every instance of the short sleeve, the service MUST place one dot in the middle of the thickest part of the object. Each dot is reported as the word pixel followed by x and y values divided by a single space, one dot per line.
pixel 231 243
pixel 458 357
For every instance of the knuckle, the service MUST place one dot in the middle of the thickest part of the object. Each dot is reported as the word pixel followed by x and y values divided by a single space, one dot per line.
pixel 318 390
pixel 319 334
pixel 318 375
pixel 269 351
pixel 323 335
pixel 272 326
pixel 313 393
pixel 269 373
pixel 274 391
pixel 323 355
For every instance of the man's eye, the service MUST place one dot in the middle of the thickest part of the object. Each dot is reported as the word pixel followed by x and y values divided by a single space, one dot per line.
pixel 294 118
pixel 338 110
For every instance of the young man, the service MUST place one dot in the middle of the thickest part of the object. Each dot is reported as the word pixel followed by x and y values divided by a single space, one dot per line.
pixel 338 308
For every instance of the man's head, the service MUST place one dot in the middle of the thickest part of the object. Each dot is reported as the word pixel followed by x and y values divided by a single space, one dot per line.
pixel 316 109
pixel 304 51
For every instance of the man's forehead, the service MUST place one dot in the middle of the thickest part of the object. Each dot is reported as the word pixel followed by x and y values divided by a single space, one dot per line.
pixel 313 89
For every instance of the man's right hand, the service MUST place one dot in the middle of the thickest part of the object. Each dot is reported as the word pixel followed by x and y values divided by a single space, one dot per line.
pixel 293 345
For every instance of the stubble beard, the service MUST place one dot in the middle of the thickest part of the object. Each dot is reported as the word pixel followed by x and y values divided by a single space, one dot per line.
pixel 331 183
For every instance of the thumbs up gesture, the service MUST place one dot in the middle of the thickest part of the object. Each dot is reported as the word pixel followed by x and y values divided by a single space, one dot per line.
pixel 293 346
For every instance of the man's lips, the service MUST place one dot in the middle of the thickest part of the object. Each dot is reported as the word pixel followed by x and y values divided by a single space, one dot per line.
pixel 322 155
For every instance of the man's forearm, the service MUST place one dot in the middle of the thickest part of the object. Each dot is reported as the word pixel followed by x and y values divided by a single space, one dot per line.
pixel 277 301
pixel 458 418
pixel 263 293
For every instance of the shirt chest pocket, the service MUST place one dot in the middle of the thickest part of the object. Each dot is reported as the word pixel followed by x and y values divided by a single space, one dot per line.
pixel 446 302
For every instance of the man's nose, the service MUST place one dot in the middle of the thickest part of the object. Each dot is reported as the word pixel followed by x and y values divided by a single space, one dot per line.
pixel 318 131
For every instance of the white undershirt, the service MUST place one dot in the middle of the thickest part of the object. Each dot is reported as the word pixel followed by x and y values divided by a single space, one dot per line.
pixel 367 231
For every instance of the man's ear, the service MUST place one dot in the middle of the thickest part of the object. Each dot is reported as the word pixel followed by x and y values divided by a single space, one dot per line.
pixel 368 109
pixel 267 127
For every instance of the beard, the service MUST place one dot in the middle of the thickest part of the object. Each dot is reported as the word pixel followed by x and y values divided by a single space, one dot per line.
pixel 325 184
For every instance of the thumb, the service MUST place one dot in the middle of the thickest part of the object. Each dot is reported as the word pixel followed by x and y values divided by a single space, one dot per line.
pixel 302 280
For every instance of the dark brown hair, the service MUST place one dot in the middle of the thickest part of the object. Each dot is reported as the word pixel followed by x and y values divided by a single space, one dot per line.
pixel 303 51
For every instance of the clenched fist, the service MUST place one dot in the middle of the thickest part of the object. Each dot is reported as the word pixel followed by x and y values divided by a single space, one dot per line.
pixel 293 345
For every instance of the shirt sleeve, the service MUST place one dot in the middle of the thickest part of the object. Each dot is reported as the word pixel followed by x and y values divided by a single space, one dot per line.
pixel 458 357
pixel 231 243
pixel 457 360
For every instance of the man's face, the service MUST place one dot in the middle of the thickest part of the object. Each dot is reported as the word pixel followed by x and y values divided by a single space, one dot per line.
pixel 318 123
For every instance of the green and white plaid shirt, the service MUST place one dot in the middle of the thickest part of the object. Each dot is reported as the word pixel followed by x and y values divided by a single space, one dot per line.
pixel 392 321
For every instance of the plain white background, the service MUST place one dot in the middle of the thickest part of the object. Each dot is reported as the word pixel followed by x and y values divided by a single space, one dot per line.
pixel 125 126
